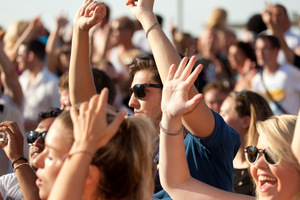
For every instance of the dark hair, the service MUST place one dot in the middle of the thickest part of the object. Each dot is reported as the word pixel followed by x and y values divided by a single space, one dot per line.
pixel 246 48
pixel 282 7
pixel 51 112
pixel 217 85
pixel 102 80
pixel 272 39
pixel 37 47
pixel 256 24
pixel 146 62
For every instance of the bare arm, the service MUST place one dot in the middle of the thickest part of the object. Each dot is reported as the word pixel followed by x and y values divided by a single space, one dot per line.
pixel 165 55
pixel 14 149
pixel 81 82
pixel 9 78
pixel 53 39
pixel 174 172
pixel 296 139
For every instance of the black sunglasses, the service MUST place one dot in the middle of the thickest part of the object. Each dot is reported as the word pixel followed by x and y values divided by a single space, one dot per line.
pixel 139 90
pixel 32 136
pixel 252 154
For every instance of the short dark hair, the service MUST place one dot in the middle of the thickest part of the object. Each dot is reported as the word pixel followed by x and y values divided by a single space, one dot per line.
pixel 37 47
pixel 51 112
pixel 102 80
pixel 145 62
pixel 272 39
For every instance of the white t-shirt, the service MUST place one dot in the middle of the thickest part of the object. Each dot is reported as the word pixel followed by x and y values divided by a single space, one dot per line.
pixel 41 94
pixel 284 87
pixel 10 188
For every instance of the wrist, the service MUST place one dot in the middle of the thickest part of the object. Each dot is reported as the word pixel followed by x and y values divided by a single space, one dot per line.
pixel 170 122
pixel 83 146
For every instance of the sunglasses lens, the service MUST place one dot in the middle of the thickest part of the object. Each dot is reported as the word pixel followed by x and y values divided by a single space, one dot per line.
pixel 139 91
pixel 251 154
pixel 31 137
pixel 43 135
pixel 268 157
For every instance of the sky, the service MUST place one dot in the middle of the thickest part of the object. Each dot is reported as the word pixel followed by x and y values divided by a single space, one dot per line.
pixel 194 12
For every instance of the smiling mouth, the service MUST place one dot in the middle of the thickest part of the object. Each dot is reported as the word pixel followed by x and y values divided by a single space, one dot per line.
pixel 266 183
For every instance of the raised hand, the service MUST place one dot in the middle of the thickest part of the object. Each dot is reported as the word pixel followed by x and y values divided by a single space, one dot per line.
pixel 90 124
pixel 14 148
pixel 140 7
pixel 90 13
pixel 175 100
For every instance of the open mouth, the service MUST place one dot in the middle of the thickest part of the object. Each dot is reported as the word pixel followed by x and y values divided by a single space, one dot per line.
pixel 266 182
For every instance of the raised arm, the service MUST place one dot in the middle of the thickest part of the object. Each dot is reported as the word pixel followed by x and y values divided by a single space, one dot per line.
pixel 81 84
pixel 13 150
pixel 53 39
pixel 174 172
pixel 9 78
pixel 165 55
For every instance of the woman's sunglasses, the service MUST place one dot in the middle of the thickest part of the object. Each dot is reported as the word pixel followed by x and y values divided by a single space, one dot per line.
pixel 252 154
pixel 32 136
pixel 139 90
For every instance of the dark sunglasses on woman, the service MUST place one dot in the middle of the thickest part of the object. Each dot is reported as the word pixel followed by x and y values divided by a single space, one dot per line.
pixel 252 154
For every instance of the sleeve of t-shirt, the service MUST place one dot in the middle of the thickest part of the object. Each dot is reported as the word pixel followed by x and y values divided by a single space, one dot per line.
pixel 297 61
pixel 2 187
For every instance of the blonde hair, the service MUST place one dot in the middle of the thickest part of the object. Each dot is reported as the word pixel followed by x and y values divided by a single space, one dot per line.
pixel 217 19
pixel 126 162
pixel 13 33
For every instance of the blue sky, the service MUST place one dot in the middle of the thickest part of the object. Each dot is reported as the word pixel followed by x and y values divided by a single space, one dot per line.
pixel 195 12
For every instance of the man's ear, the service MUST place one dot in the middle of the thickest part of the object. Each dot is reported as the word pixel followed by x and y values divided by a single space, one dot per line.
pixel 31 56
pixel 246 122
pixel 93 176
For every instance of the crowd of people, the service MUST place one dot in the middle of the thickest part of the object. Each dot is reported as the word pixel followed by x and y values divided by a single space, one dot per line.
pixel 117 110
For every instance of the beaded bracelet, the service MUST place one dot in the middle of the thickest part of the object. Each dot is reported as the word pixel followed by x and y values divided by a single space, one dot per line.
pixel 150 28
pixel 19 165
pixel 169 132
pixel 19 158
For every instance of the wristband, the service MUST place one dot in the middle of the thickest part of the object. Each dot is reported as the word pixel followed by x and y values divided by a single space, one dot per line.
pixel 19 165
pixel 78 152
pixel 169 132
pixel 19 158
pixel 150 28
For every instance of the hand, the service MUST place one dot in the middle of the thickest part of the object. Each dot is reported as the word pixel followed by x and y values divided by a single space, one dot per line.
pixel 91 129
pixel 89 14
pixel 175 100
pixel 14 148
pixel 140 7
pixel 61 21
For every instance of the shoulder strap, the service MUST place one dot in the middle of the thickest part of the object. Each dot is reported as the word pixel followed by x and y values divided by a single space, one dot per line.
pixel 270 96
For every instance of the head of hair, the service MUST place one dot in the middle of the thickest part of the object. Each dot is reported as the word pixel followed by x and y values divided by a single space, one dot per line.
pixel 282 7
pixel 37 47
pixel 126 161
pixel 254 105
pixel 126 23
pixel 13 33
pixel 63 83
pixel 51 112
pixel 278 132
pixel 256 24
pixel 217 18
pixel 271 39
pixel 246 49
pixel 102 80
pixel 145 63
pixel 214 85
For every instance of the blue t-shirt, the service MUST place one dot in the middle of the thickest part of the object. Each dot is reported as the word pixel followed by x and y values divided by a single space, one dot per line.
pixel 210 159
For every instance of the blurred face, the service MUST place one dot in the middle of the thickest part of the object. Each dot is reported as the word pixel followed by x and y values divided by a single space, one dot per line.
pixel 65 55
pixel 22 57
pixel 236 58
pixel 38 146
pixel 279 16
pixel 65 99
pixel 214 99
pixel 50 161
pixel 274 182
pixel 150 104
pixel 230 115
pixel 265 54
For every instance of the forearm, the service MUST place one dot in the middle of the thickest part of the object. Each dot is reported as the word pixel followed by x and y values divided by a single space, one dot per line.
pixel 289 54
pixel 81 84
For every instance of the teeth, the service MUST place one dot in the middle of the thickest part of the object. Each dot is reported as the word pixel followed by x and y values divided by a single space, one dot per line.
pixel 266 178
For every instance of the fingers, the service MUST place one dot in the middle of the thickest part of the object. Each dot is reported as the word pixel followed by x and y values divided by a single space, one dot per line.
pixel 194 75
pixel 187 70
pixel 192 103
pixel 181 68
pixel 171 72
